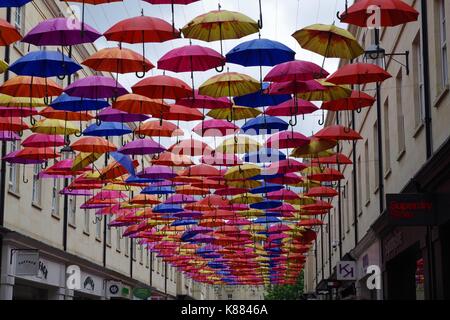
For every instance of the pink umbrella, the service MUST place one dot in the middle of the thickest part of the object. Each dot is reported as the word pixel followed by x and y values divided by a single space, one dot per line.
pixel 180 199
pixel 141 147
pixel 295 70
pixel 38 140
pixel 231 191
pixel 12 158
pixel 95 87
pixel 292 107
pixel 63 168
pixel 287 139
pixel 205 102
pixel 76 192
pixel 9 136
pixel 109 194
pixel 294 87
pixel 283 195
pixel 221 159
pixel 286 166
pixel 17 112
pixel 215 128
pixel 157 172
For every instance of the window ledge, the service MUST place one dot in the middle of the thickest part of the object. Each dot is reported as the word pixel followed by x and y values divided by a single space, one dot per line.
pixel 98 239
pixel 37 206
pixel 441 96
pixel 86 233
pixel 367 203
pixel 73 226
pixel 14 194
pixel 387 173
pixel 418 129
pixel 55 216
pixel 401 154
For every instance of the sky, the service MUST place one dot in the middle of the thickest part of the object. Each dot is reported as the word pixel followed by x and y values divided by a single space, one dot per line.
pixel 281 19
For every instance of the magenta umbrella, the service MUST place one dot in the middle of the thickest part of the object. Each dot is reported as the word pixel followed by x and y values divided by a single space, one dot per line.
pixel 41 140
pixel 9 136
pixel 205 102
pixel 12 158
pixel 287 139
pixel 75 192
pixel 61 32
pixel 296 70
pixel 111 114
pixel 215 128
pixel 292 107
pixel 295 86
pixel 157 172
pixel 180 199
pixel 95 87
pixel 141 147
pixel 17 112
pixel 173 3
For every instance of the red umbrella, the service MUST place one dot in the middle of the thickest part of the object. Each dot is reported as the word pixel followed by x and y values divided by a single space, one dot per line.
pixel 12 124
pixel 182 113
pixel 292 107
pixel 40 140
pixel 21 112
pixel 173 3
pixel 328 174
pixel 287 139
pixel 391 13
pixel 205 102
pixel 357 100
pixel 295 70
pixel 294 87
pixel 8 34
pixel 43 153
pixel 214 128
pixel 285 166
pixel 359 73
pixel 162 87
pixel 338 158
pixel 26 86
pixel 322 192
pixel 159 129
pixel 202 170
pixel 337 132
pixel 137 104
pixel 191 147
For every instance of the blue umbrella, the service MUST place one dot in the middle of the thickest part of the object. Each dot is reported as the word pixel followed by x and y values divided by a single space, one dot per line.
pixel 264 155
pixel 266 188
pixel 167 208
pixel 267 220
pixel 266 176
pixel 67 103
pixel 13 3
pixel 135 179
pixel 261 99
pixel 107 129
pixel 264 124
pixel 125 161
pixel 260 52
pixel 44 64
pixel 157 190
pixel 183 223
pixel 266 204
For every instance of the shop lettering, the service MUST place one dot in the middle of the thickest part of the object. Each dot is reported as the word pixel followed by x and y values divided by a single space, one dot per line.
pixel 89 282
pixel 43 269
pixel 73 281
pixel 408 210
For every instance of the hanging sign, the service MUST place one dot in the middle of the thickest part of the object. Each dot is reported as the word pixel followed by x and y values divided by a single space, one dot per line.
pixel 411 209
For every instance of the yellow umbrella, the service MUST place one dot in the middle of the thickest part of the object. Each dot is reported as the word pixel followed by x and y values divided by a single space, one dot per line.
pixel 248 184
pixel 229 84
pixel 55 126
pixel 83 159
pixel 252 213
pixel 243 171
pixel 329 41
pixel 3 66
pixel 314 147
pixel 120 187
pixel 331 92
pixel 220 25
pixel 9 101
pixel 246 198
pixel 239 144
pixel 234 113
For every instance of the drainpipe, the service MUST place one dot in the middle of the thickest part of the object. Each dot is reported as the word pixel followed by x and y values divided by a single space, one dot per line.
pixel 3 153
pixel 355 181
pixel 426 74
pixel 165 279
pixel 131 258
pixel 339 199
pixel 315 263
pixel 321 245
pixel 151 269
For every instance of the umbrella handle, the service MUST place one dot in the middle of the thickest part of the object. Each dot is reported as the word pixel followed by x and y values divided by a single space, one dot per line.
pixel 20 133
pixel 156 156
pixel 61 77
pixel 24 179
pixel 46 100
pixel 98 121
pixel 44 165
pixel 339 16
pixel 97 219
pixel 220 69
pixel 141 136
pixel 293 123
pixel 260 21
pixel 32 121
pixel 322 121
pixel 76 134
pixel 358 110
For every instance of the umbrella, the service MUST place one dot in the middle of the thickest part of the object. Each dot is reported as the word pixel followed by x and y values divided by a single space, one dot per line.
pixel 220 25
pixel 213 128
pixel 337 132
pixel 61 32
pixel 93 145
pixel 95 87
pixel 315 146
pixel 337 158
pixel 264 155
pixel 329 41
pixel 190 147
pixel 3 66
pixel 13 159
pixel 295 87
pixel 119 60
pixel 8 34
pixel 286 140
pixel 162 87
pixel 40 140
pixel 159 129
pixel 292 107
pixel 141 147
pixel 67 103
pixel 26 86
pixel 285 166
pixel 322 192
pixel 43 153
pixel 204 102
pixel 260 98
pixel 265 125
pixel 329 92
pixel 242 172
pixel 234 113
pixel 83 159
pixel 391 13
pixel 20 102
pixel 157 172
pixel 239 144
pixel 17 112
pixel 137 104
pixel 55 126
pixel 220 159
pixel 229 84
pixel 297 70
pixel 182 113
pixel 172 2
pixel 107 129
pixel 359 73
pixel 357 100
pixel 13 3
pixel 114 115
pixel 51 113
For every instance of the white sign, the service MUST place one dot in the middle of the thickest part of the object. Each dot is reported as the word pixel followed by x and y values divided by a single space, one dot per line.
pixel 27 263
pixel 346 270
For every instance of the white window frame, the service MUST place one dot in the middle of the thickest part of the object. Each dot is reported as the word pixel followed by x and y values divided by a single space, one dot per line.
pixel 443 44
pixel 36 194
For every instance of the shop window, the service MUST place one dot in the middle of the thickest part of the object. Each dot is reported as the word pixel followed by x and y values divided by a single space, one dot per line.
pixel 37 186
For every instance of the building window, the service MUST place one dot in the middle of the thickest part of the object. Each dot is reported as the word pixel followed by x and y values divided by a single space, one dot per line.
pixel 400 115
pixel 19 22
pixel 375 155
pixel 55 197
pixel 14 171
pixel 152 258
pixel 133 249
pixel 108 230
pixel 419 95
pixel 147 259
pixel 126 246
pixel 367 170
pixel 37 186
pixel 443 43
pixel 359 183
pixel 141 254
pixel 118 239
pixel 72 211
pixel 86 221
pixel 387 144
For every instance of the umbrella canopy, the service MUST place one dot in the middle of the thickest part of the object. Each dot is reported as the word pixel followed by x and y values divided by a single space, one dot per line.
pixel 191 58
pixel 13 3
pixel 357 100
pixel 51 113
pixel 55 126
pixel 359 73
pixel 264 155
pixel 297 70
pixel 329 41
pixel 220 159
pixel 314 147
pixel 204 102
pixel 119 60
pixel 43 153
pixel 337 132
pixel 67 103
pixel 182 113
pixel 234 113
pixel 286 140
pixel 295 87
pixel 93 145
pixel 142 146
pixel 114 115
pixel 292 107
pixel 107 129
pixel 8 34
pixel 239 145
pixel 17 112
pixel 83 159
pixel 61 32
pixel 229 84
pixel 264 125
pixel 95 87
pixel 26 86
pixel 157 172
pixel 162 87
pixel 137 104
pixel 260 52
pixel 261 98
pixel 213 128
pixel 190 147
pixel 392 13
pixel 329 92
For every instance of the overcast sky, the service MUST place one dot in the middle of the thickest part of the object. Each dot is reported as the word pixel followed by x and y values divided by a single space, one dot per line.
pixel 281 19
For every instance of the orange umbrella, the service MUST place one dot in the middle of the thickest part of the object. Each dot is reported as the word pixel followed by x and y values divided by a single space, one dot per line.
pixel 8 34
pixel 114 170
pixel 51 113
pixel 181 113
pixel 191 147
pixel 337 132
pixel 138 104
pixel 12 124
pixel 145 199
pixel 93 145
pixel 26 86
pixel 172 160
pixel 37 153
pixel 119 60
pixel 190 190
pixel 159 129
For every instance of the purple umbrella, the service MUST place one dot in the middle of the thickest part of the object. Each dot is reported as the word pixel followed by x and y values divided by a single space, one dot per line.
pixel 180 199
pixel 141 147
pixel 167 183
pixel 61 32
pixel 11 158
pixel 114 115
pixel 9 136
pixel 202 238
pixel 188 214
pixel 76 192
pixel 95 87
pixel 157 172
